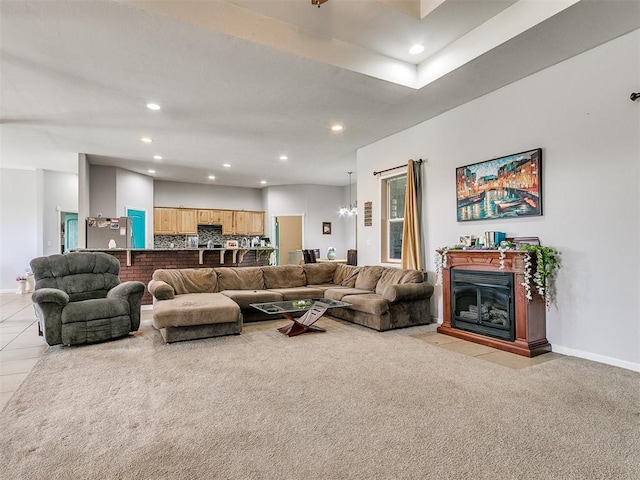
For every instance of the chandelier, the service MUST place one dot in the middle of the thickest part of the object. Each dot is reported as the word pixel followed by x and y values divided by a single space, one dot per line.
pixel 352 209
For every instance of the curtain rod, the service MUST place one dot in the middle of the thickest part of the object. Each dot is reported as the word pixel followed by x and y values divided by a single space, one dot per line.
pixel 419 161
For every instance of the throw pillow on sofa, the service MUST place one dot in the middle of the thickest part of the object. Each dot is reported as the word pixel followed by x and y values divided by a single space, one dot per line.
pixel 368 277
pixel 395 276
pixel 346 275
pixel 284 276
pixel 245 278
pixel 319 273
pixel 189 280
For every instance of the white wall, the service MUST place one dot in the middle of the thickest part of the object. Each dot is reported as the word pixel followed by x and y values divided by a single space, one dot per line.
pixel 18 234
pixel 194 195
pixel 580 113
pixel 59 194
pixel 135 191
pixel 318 203
pixel 102 191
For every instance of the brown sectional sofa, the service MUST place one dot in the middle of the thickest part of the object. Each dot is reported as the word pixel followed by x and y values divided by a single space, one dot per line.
pixel 206 302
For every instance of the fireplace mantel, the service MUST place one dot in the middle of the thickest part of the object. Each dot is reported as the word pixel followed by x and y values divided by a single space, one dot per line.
pixel 530 315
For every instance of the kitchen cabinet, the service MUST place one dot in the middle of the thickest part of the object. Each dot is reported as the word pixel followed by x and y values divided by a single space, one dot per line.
pixel 256 223
pixel 241 223
pixel 187 222
pixel 209 217
pixel 174 221
pixel 227 222
pixel 164 221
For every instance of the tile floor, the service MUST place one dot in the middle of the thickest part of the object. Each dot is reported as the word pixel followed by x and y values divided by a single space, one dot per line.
pixel 21 347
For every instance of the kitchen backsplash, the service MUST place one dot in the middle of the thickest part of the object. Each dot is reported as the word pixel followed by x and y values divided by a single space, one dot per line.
pixel 206 233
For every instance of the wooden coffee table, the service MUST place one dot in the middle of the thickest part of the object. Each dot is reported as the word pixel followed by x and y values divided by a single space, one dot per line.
pixel 314 308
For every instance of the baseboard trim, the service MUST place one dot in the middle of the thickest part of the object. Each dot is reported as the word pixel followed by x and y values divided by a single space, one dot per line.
pixel 146 307
pixel 616 362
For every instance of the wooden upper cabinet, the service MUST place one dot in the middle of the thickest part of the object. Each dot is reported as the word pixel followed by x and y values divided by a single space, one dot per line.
pixel 241 222
pixel 256 223
pixel 164 221
pixel 227 222
pixel 204 217
pixel 187 221
pixel 209 217
pixel 216 217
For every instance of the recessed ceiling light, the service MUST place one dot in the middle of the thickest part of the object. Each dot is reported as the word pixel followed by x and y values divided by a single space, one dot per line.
pixel 212 177
pixel 284 157
pixel 416 49
pixel 263 182
pixel 146 140
pixel 157 157
pixel 153 106
pixel 226 165
pixel 151 171
pixel 336 128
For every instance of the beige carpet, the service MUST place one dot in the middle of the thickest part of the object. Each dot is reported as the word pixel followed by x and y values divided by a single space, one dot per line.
pixel 347 404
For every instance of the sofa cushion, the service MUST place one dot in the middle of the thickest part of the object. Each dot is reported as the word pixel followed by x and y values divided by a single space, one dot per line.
pixel 245 297
pixel 340 293
pixel 285 276
pixel 188 280
pixel 371 303
pixel 299 293
pixel 195 309
pixel 368 277
pixel 245 278
pixel 395 276
pixel 319 273
pixel 345 275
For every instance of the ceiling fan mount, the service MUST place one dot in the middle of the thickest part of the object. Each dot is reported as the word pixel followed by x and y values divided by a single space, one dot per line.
pixel 318 2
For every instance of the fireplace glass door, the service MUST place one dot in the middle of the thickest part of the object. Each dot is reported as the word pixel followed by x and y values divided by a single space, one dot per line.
pixel 483 303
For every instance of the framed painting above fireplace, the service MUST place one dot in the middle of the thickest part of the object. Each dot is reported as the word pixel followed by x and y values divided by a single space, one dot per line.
pixel 504 187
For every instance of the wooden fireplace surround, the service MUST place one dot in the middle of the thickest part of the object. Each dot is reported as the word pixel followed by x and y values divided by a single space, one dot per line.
pixel 530 315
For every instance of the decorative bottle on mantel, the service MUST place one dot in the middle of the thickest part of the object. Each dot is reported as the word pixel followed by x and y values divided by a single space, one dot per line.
pixel 331 253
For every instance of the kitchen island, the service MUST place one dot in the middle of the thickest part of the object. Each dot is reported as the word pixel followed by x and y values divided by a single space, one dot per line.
pixel 140 263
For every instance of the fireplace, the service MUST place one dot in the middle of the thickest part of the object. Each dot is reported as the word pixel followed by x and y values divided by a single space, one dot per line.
pixel 482 302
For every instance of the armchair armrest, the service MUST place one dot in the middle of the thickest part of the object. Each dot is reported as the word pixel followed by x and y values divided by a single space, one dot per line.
pixel 126 289
pixel 407 291
pixel 132 292
pixel 48 304
pixel 50 295
pixel 161 290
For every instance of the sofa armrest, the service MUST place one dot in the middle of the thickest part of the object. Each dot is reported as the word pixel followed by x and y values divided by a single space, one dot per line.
pixel 407 291
pixel 50 295
pixel 161 290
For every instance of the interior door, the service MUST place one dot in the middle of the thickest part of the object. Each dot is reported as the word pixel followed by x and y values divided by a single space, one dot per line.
pixel 138 222
pixel 70 231
pixel 289 239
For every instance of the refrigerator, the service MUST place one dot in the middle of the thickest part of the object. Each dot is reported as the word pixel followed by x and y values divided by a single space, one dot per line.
pixel 101 230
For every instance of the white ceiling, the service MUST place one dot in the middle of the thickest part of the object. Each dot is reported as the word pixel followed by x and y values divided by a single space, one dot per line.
pixel 245 81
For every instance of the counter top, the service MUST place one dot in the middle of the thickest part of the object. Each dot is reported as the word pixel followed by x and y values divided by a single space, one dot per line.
pixel 237 253
pixel 169 249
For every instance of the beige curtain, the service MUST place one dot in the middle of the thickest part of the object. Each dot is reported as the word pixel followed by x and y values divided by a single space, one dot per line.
pixel 412 256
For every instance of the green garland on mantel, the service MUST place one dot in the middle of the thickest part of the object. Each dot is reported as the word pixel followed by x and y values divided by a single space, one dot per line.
pixel 542 278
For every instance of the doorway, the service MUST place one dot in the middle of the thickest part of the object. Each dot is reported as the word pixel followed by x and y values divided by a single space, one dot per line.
pixel 68 231
pixel 138 227
pixel 288 238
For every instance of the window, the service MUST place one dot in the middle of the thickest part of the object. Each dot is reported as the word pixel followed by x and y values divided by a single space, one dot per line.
pixel 393 189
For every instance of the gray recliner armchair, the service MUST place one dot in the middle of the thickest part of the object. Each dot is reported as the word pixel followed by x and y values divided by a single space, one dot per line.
pixel 79 298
